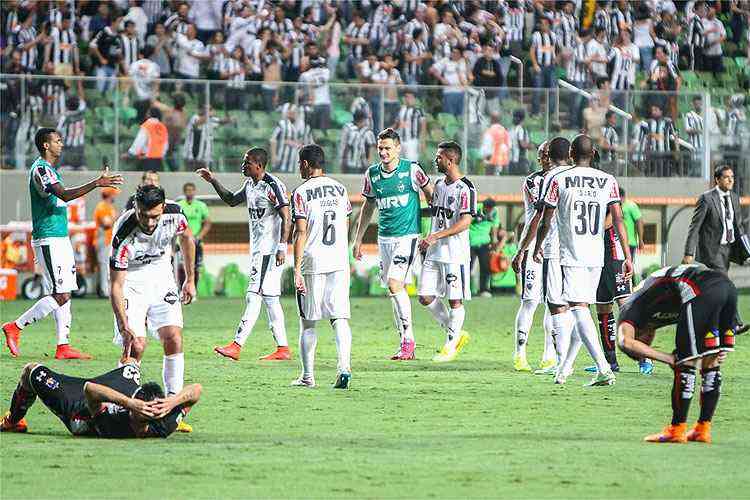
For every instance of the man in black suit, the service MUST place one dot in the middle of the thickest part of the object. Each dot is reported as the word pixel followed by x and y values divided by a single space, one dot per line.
pixel 716 223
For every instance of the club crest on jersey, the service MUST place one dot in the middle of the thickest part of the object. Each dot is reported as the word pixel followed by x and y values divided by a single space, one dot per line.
pixel 401 188
pixel 399 259
pixel 171 297
pixel 450 278
pixel 51 383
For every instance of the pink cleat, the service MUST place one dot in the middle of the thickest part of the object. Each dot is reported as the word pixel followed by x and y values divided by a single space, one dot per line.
pixel 406 351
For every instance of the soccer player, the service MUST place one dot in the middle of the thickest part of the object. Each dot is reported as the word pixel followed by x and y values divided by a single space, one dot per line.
pixel 531 274
pixel 52 249
pixel 393 186
pixel 144 293
pixel 321 210
pixel 270 224
pixel 446 251
pixel 702 303
pixel 579 198
pixel 112 405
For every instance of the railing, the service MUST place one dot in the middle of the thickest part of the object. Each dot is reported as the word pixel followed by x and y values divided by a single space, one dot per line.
pixel 247 116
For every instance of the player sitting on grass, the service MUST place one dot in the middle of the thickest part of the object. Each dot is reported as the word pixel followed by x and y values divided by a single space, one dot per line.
pixel 113 405
pixel 703 304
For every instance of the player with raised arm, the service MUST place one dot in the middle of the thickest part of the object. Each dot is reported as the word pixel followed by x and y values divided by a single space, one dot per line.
pixel 446 250
pixel 393 186
pixel 321 210
pixel 51 244
pixel 579 198
pixel 112 405
pixel 269 224
pixel 144 293
pixel 702 302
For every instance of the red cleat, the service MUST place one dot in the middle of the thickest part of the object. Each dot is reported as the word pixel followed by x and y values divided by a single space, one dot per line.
pixel 231 351
pixel 7 426
pixel 12 337
pixel 280 354
pixel 406 351
pixel 64 351
pixel 700 433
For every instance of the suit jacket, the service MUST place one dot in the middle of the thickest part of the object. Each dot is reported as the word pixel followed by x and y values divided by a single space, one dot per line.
pixel 706 228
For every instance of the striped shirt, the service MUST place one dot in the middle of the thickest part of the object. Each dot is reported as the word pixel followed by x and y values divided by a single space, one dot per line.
pixel 64 42
pixel 694 130
pixel 619 19
pixel 566 27
pixel 28 57
pixel 514 23
pixel 279 27
pixel 53 96
pixel 621 68
pixel 199 139
pixel 695 37
pixel 544 46
pixel 735 124
pixel 176 24
pixel 353 31
pixel 603 20
pixel 129 50
pixel 612 139
pixel 518 134
pixel 296 41
pixel 153 10
pixel 289 138
pixel 217 56
pixel 72 127
pixel 656 136
pixel 475 106
pixel 413 70
pixel 11 21
pixel 355 145
pixel 230 65
pixel 578 70
pixel 410 123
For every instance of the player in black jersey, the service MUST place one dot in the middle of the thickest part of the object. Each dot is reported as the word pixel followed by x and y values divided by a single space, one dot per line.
pixel 113 405
pixel 703 304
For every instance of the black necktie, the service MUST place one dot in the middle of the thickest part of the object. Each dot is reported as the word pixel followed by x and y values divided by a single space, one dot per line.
pixel 728 225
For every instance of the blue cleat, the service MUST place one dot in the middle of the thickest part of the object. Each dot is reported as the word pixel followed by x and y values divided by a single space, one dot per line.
pixel 646 367
pixel 342 380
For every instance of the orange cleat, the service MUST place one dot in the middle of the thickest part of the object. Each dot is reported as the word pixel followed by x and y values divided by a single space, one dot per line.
pixel 231 351
pixel 280 354
pixel 12 337
pixel 64 351
pixel 7 426
pixel 670 434
pixel 701 433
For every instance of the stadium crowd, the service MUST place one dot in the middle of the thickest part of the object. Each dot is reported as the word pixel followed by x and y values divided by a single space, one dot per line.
pixel 469 49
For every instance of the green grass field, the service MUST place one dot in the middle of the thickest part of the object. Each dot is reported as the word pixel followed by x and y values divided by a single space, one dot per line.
pixel 471 428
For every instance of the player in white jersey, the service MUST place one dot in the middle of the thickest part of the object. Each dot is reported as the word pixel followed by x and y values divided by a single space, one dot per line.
pixel 269 227
pixel 579 198
pixel 530 272
pixel 446 250
pixel 321 210
pixel 144 293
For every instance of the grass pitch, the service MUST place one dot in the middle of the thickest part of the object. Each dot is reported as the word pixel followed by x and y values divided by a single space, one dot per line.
pixel 415 429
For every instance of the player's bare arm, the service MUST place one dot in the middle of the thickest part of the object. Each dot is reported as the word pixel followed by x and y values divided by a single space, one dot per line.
pixel 286 229
pixel 636 348
pixel 96 394
pixel 117 299
pixel 462 225
pixel 615 211
pixel 542 231
pixel 365 214
pixel 104 180
pixel 187 245
pixel 188 396
pixel 228 197
pixel 428 190
pixel 526 236
pixel 300 239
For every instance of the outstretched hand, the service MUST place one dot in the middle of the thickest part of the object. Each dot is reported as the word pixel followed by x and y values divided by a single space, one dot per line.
pixel 109 180
pixel 205 174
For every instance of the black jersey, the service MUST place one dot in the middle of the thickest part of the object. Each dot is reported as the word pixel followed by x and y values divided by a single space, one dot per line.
pixel 114 422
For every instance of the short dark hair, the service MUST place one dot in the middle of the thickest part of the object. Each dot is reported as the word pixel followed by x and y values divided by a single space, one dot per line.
pixel 314 155
pixel 147 197
pixel 608 114
pixel 146 172
pixel 601 82
pixel 359 115
pixel 558 149
pixel 453 147
pixel 43 135
pixel 149 391
pixel 147 51
pixel 179 100
pixel 187 185
pixel 154 112
pixel 719 170
pixel 389 133
pixel 259 155
pixel 582 147
pixel 72 103
pixel 128 23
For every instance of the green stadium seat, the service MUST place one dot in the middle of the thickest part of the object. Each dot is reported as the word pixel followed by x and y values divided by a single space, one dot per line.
pixel 446 119
pixel 341 117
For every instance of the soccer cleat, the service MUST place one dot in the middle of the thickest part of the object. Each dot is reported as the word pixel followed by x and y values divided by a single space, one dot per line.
pixel 64 351
pixel 700 433
pixel 184 427
pixel 231 351
pixel 520 364
pixel 546 368
pixel 7 426
pixel 280 354
pixel 12 337
pixel 615 367
pixel 342 380
pixel 646 367
pixel 670 434
pixel 601 379
pixel 560 378
pixel 447 353
pixel 406 351
pixel 308 382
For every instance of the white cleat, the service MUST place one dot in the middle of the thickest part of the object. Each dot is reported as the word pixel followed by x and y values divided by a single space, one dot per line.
pixel 602 379
pixel 303 382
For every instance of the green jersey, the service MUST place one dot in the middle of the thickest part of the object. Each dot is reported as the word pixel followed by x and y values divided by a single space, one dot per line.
pixel 195 213
pixel 49 214
pixel 480 231
pixel 396 194
pixel 630 215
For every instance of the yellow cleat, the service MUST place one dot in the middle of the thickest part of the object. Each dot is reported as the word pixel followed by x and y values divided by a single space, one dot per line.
pixel 548 363
pixel 520 364
pixel 184 427
pixel 448 354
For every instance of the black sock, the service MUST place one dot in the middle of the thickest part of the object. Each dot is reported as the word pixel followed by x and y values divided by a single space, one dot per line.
pixel 682 393
pixel 608 336
pixel 20 403
pixel 710 391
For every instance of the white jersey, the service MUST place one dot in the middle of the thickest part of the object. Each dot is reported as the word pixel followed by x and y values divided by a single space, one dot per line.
pixel 582 196
pixel 551 246
pixel 449 203
pixel 144 256
pixel 264 200
pixel 531 191
pixel 325 204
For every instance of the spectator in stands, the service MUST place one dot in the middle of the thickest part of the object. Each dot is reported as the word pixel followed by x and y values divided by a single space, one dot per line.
pixel 496 146
pixel 658 140
pixel 144 74
pixel 737 131
pixel 161 43
pixel 271 64
pixel 597 54
pixel 52 91
pixel 316 81
pixel 519 144
pixel 151 144
pixel 694 129
pixel 175 120
pixel 72 129
pixel 739 11
pixel 28 41
pixel 287 139
pixel 234 70
pixel 667 31
pixel 357 143
pixel 62 50
pixel 454 75
pixel 696 37
pixel 565 27
pixel 643 36
pixel 197 151
pixel 106 48
pixel 603 22
pixel 357 37
pixel 715 34
pixel 190 53
pixel 411 126
pixel 543 56
pixel 105 215
pixel 138 17
pixel 332 32
pixel 610 142
pixel 130 48
pixel 390 77
pixel 207 17
pixel 10 107
pixel 198 218
pixel 487 74
pixel 101 20
pixel 416 55
pixel 633 220
pixel 622 61
pixel 218 51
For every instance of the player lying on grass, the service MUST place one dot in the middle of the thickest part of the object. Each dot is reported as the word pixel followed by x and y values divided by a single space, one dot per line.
pixel 113 405
pixel 703 304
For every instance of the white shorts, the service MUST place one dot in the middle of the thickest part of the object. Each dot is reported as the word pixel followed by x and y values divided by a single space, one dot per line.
pixel 580 284
pixel 326 296
pixel 410 150
pixel 531 278
pixel 56 259
pixel 440 279
pixel 553 282
pixel 396 258
pixel 265 276
pixel 151 305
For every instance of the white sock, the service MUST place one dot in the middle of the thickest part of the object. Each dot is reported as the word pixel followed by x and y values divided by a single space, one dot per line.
pixel 38 311
pixel 249 317
pixel 308 341
pixel 63 317
pixel 455 325
pixel 562 328
pixel 569 358
pixel 173 372
pixel 343 344
pixel 549 344
pixel 402 310
pixel 439 312
pixel 590 337
pixel 276 320
pixel 524 318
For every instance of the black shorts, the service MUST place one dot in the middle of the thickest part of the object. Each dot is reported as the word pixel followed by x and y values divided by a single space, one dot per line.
pixel 707 323
pixel 613 284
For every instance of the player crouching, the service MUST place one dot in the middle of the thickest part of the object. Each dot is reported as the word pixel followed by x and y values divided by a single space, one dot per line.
pixel 703 304
pixel 113 405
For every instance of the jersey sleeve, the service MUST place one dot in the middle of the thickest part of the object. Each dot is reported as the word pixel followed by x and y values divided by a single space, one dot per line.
pixel 173 208
pixel 299 207
pixel 467 203
pixel 419 178
pixel 552 195
pixel 277 195
pixel 122 248
pixel 44 179
pixel 614 193
pixel 367 190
